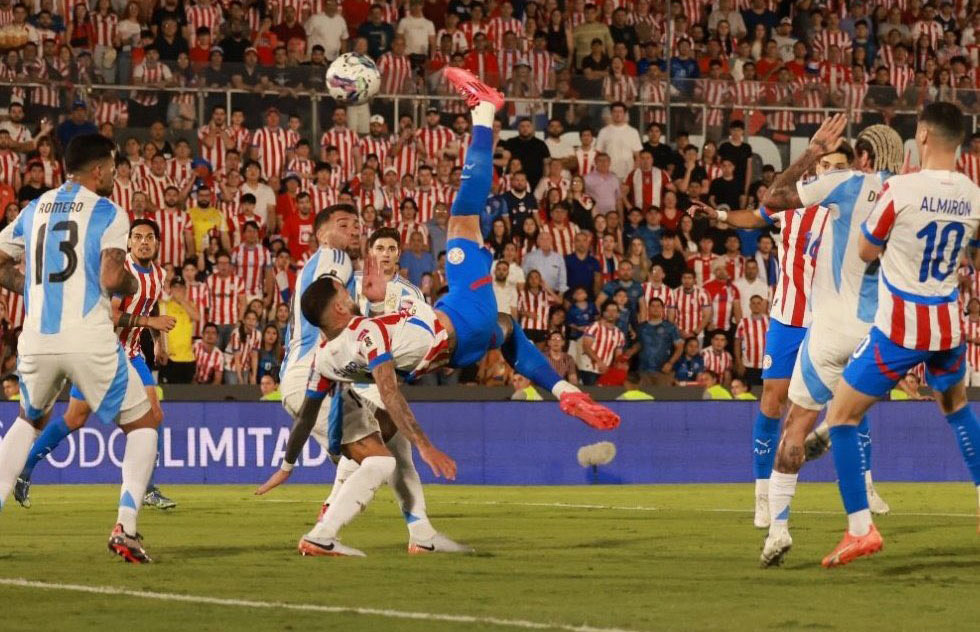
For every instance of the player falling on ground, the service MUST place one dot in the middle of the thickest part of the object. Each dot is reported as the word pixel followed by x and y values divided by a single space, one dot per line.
pixel 73 242
pixel 464 325
pixel 131 314
pixel 920 223
pixel 842 299
pixel 359 410
pixel 790 317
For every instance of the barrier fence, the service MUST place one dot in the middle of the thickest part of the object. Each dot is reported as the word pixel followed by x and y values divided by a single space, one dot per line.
pixel 506 443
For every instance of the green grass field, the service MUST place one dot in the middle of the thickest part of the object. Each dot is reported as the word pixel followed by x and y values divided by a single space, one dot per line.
pixel 678 557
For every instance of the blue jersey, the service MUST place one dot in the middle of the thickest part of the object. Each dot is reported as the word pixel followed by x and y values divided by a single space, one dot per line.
pixel 60 237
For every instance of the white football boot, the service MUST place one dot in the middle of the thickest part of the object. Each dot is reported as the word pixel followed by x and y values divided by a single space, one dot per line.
pixel 761 511
pixel 330 547
pixel 436 544
pixel 775 549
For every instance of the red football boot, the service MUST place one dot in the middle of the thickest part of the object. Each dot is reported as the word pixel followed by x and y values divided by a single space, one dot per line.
pixel 853 547
pixel 581 405
pixel 472 89
pixel 128 547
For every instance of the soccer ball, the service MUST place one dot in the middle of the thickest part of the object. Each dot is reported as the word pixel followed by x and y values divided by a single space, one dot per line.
pixel 353 79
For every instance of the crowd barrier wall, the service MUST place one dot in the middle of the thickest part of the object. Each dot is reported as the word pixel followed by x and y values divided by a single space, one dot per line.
pixel 505 443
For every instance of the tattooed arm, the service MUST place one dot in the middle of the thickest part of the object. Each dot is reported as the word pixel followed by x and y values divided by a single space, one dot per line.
pixel 783 194
pixel 401 414
pixel 10 277
pixel 116 279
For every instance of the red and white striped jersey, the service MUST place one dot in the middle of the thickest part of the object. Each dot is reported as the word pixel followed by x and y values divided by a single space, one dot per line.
pixel 15 307
pixel 377 146
pixel 689 306
pixel 715 92
pixel 173 225
pixel 694 10
pixel 781 120
pixel 664 293
pixel 150 280
pixel 701 266
pixel 434 140
pixel 110 112
pixel 406 229
pixel 506 61
pixel 621 88
pixel 225 295
pixel 303 167
pixel 971 332
pixel 811 93
pixel 207 362
pixel 747 92
pixel 854 96
pixel 752 332
pixel 719 362
pixel 471 28
pixel 155 186
pixel 6 16
pixel 345 140
pixel 200 295
pixel 563 236
pixel 900 77
pixel 198 16
pixel 825 39
pixel 180 171
pixel 145 75
pixel 426 201
pixel 395 72
pixel 654 92
pixel 242 137
pixel 122 193
pixel 292 137
pixel 9 167
pixel 646 188
pixel 607 341
pixel 460 44
pixel 542 68
pixel 105 27
pixel 928 27
pixel 498 27
pixel 251 262
pixel 52 173
pixel 724 298
pixel 585 159
pixel 533 308
pixel 216 153
pixel 969 164
pixel 917 306
pixel 238 353
pixel 406 160
pixel 322 198
pixel 799 237
pixel 837 74
pixel 734 265
pixel 271 146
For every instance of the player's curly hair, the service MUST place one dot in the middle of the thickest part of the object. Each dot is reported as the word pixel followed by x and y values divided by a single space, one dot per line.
pixel 883 146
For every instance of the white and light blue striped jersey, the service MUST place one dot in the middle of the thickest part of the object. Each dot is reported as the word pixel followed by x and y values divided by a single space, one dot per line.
pixel 844 296
pixel 61 236
pixel 302 336
pixel 399 290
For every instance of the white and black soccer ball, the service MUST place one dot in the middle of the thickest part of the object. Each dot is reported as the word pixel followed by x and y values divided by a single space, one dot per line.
pixel 353 79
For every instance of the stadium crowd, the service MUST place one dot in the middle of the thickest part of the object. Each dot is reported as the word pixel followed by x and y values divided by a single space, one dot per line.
pixel 596 252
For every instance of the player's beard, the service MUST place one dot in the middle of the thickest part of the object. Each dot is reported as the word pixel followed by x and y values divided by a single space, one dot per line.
pixel 356 310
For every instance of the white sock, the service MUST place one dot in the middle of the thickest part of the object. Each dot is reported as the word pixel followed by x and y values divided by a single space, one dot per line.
pixel 562 387
pixel 345 467
pixel 137 467
pixel 407 486
pixel 14 449
pixel 354 495
pixel 483 114
pixel 868 483
pixel 782 487
pixel 761 487
pixel 859 522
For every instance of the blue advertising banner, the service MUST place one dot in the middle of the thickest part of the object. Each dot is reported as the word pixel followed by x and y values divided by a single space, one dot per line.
pixel 505 443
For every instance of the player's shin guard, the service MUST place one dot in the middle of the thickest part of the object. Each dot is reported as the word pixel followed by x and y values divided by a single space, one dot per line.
pixel 967 432
pixel 149 483
pixel 765 438
pixel 407 486
pixel 13 454
pixel 528 360
pixel 477 174
pixel 137 466
pixel 864 440
pixel 850 478
pixel 782 488
pixel 49 439
pixel 354 496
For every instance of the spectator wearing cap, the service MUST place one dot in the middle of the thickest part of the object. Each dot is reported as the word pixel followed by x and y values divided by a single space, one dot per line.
pixel 327 29
pixel 76 124
pixel 33 185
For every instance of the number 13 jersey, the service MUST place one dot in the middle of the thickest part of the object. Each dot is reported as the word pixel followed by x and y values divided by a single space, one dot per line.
pixel 61 236
pixel 926 218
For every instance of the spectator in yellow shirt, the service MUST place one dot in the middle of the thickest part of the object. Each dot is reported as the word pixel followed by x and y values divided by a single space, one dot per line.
pixel 206 220
pixel 176 357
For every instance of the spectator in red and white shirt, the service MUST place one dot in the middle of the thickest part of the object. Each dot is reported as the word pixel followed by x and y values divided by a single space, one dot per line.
pixel 227 297
pixel 269 145
pixel 198 295
pixel 208 359
pixel 562 231
pixel 750 341
pixel 692 307
pixel 176 233
pixel 971 335
pixel 646 184
pixel 969 161
pixel 252 261
pixel 297 228
pixel 433 137
pixel 701 263
pixel 600 344
pixel 718 360
pixel 725 308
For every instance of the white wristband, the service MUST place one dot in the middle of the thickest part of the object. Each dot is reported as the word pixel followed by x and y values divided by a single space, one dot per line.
pixel 287 467
pixel 722 216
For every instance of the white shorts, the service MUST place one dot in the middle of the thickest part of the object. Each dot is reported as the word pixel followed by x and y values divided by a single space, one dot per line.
pixel 110 384
pixel 294 400
pixel 820 363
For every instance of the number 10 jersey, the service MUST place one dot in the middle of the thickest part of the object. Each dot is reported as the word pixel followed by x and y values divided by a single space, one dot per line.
pixel 61 236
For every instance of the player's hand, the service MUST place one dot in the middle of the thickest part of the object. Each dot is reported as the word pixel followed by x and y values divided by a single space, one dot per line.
pixel 277 479
pixel 373 284
pixel 161 323
pixel 828 137
pixel 699 207
pixel 441 463
pixel 907 164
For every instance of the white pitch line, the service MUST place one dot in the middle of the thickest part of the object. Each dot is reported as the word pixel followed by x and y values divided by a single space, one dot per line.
pixel 276 605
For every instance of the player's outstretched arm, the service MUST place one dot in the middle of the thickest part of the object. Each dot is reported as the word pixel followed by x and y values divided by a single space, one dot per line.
pixel 746 218
pixel 401 414
pixel 10 277
pixel 783 194
pixel 116 279
pixel 302 428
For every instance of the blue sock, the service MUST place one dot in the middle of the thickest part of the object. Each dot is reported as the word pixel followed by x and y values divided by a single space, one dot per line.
pixel 864 439
pixel 149 484
pixel 474 188
pixel 847 461
pixel 765 437
pixel 49 439
pixel 528 360
pixel 967 433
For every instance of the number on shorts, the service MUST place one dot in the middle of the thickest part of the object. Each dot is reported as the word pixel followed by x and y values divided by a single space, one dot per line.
pixel 67 246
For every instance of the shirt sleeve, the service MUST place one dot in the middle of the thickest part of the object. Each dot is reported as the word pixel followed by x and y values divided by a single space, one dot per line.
pixel 373 345
pixel 878 226
pixel 117 233
pixel 317 386
pixel 12 238
pixel 815 190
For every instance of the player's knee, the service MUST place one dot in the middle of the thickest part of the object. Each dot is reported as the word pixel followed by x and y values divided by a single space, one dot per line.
pixel 774 396
pixel 952 399
pixel 75 420
pixel 371 445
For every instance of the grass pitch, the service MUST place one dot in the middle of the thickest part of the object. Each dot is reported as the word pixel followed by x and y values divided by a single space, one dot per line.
pixel 678 557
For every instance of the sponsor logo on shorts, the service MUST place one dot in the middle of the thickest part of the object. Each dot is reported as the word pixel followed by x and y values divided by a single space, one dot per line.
pixel 767 362
pixel 456 256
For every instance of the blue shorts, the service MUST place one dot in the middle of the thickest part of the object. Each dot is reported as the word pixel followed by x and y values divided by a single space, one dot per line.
pixel 470 302
pixel 782 344
pixel 878 364
pixel 139 363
